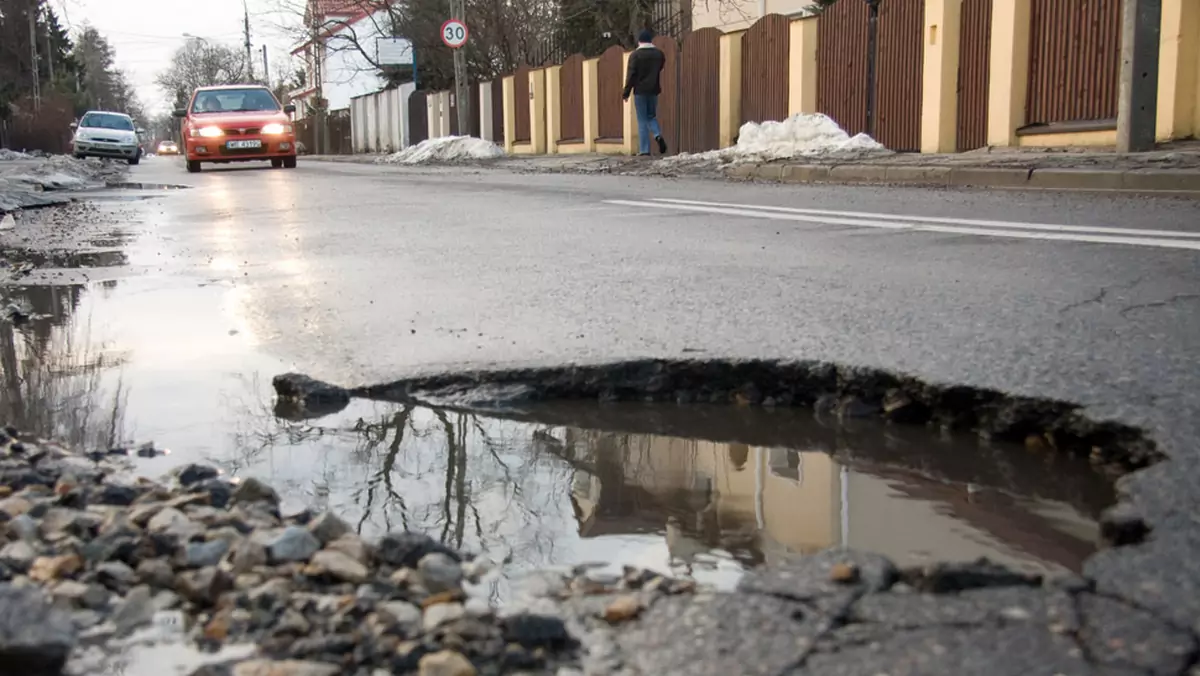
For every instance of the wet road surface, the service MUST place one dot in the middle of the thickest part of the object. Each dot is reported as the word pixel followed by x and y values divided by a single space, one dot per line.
pixel 361 274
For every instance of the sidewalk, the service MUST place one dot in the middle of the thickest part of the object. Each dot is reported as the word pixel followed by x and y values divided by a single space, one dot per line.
pixel 1173 169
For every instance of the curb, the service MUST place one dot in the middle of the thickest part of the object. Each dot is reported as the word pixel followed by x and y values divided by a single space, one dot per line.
pixel 1177 182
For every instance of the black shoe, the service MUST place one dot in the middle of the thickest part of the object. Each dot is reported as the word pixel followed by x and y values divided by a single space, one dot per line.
pixel 662 145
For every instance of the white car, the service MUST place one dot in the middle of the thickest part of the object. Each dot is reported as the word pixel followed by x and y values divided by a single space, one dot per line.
pixel 103 134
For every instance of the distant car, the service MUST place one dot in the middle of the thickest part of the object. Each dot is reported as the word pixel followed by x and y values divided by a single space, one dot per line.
pixel 237 123
pixel 168 148
pixel 102 133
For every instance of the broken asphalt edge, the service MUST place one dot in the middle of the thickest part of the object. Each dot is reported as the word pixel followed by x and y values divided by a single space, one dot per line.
pixel 1163 182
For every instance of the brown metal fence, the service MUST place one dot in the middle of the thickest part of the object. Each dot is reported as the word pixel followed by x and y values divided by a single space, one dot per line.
pixel 1074 61
pixel 610 80
pixel 521 131
pixel 418 117
pixel 498 110
pixel 44 127
pixel 337 126
pixel 765 69
pixel 900 67
pixel 570 98
pixel 700 91
pixel 668 102
pixel 842 64
pixel 974 73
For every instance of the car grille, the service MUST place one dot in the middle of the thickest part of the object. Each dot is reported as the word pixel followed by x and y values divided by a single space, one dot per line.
pixel 101 139
pixel 242 131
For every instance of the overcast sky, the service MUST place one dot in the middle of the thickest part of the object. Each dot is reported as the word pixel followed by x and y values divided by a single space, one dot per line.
pixel 144 33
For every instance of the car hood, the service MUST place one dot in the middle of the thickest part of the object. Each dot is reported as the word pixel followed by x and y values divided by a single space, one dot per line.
pixel 232 119
pixel 93 132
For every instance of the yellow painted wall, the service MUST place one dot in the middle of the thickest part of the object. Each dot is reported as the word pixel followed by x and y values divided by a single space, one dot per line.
pixel 730 118
pixel 802 67
pixel 939 107
pixel 1009 77
pixel 553 108
pixel 1080 139
pixel 1179 70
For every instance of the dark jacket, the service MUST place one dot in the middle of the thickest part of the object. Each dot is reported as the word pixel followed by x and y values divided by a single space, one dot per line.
pixel 645 64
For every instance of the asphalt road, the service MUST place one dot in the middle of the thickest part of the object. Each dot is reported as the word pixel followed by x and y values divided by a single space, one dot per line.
pixel 361 274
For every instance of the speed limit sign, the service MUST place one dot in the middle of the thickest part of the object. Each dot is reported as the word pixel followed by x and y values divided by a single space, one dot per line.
pixel 454 33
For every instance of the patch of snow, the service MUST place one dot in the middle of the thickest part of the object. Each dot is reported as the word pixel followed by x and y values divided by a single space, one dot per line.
pixel 798 136
pixel 7 155
pixel 445 149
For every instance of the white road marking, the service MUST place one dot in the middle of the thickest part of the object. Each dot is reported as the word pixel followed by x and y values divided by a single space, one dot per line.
pixel 1035 231
pixel 950 221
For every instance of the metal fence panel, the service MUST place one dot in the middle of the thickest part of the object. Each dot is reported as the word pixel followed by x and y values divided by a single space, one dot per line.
pixel 842 65
pixel 900 74
pixel 610 80
pixel 974 74
pixel 570 98
pixel 1074 61
pixel 765 57
pixel 700 91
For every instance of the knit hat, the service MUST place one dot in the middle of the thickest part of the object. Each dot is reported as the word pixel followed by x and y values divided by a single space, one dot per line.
pixel 646 36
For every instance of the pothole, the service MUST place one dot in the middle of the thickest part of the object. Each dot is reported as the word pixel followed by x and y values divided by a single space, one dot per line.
pixel 128 185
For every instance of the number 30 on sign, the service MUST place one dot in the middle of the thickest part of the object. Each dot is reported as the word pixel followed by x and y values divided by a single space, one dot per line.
pixel 454 33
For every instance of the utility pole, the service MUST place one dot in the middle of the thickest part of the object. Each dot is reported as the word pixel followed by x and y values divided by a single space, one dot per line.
pixel 246 24
pixel 872 59
pixel 266 71
pixel 33 59
pixel 461 86
pixel 1137 112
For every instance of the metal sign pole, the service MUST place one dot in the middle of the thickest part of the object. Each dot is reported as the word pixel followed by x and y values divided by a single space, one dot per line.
pixel 461 86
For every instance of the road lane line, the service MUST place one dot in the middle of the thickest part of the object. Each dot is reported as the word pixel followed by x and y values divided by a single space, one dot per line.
pixel 920 227
pixel 1016 225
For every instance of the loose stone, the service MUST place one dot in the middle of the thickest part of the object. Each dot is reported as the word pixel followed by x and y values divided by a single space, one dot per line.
pixel 295 543
pixel 446 663
pixel 440 573
pixel 621 609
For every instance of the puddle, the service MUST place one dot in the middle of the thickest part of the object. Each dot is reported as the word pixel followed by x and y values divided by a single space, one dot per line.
pixel 126 185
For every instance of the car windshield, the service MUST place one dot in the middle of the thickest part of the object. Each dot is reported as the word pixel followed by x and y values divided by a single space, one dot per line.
pixel 106 121
pixel 234 101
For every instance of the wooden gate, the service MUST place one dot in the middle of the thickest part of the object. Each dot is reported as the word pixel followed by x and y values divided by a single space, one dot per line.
pixel 901 69
pixel 1074 61
pixel 842 65
pixel 668 102
pixel 570 99
pixel 498 111
pixel 700 91
pixel 610 80
pixel 418 117
pixel 765 59
pixel 974 74
pixel 521 132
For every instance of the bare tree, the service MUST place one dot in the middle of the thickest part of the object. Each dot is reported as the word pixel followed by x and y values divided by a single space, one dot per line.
pixel 200 63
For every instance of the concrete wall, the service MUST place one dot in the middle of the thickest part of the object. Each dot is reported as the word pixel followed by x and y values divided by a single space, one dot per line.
pixel 379 122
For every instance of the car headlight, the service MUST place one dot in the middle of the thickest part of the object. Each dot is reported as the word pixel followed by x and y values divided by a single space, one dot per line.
pixel 209 132
pixel 276 128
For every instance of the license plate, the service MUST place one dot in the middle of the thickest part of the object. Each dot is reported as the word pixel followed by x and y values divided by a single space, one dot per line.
pixel 243 145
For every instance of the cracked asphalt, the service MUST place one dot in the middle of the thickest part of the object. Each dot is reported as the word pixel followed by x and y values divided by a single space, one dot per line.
pixel 361 274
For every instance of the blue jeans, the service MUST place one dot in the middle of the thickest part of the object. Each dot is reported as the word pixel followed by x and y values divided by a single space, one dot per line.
pixel 647 117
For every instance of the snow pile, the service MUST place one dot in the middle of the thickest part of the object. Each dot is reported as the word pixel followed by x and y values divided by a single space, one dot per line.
pixel 25 184
pixel 446 149
pixel 798 136
pixel 7 155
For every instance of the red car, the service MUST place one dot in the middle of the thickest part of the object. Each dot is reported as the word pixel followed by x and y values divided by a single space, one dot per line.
pixel 237 123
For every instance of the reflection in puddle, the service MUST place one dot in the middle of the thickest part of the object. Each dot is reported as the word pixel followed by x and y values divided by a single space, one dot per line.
pixel 549 494
pixel 695 490
pixel 66 259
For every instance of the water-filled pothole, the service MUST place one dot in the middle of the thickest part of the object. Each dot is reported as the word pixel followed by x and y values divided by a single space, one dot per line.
pixel 108 258
pixel 700 490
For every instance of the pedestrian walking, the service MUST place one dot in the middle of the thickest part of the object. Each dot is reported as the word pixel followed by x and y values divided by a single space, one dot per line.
pixel 643 81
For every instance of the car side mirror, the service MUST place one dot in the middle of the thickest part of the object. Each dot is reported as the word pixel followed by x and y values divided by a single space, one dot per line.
pixel 289 108
pixel 179 112
pixel 74 125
